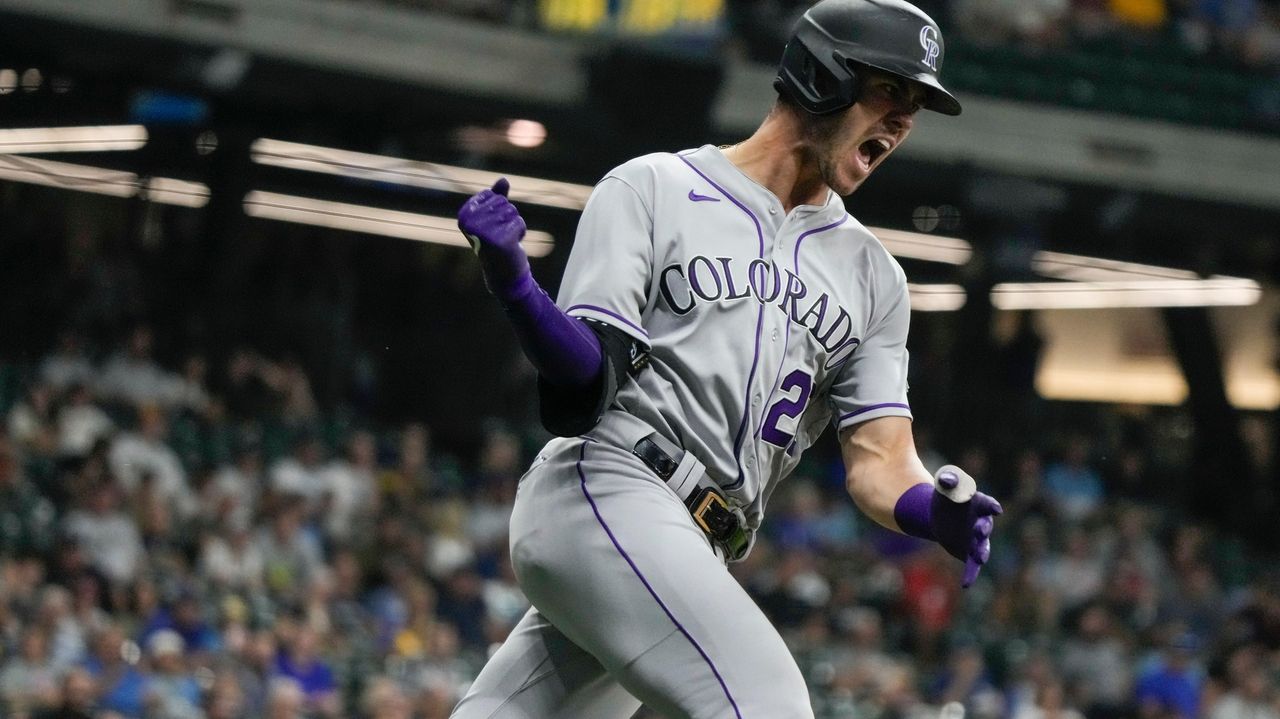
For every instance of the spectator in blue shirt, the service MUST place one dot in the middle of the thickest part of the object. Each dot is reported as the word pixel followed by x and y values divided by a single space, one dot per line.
pixel 186 617
pixel 302 663
pixel 123 688
pixel 1074 488
pixel 1170 689
pixel 174 692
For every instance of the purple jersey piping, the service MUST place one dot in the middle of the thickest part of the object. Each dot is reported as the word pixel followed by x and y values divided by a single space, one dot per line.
pixel 864 410
pixel 582 478
pixel 612 314
pixel 786 344
pixel 755 358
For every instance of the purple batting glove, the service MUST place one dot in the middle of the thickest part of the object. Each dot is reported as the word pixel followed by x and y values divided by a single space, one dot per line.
pixel 494 228
pixel 962 519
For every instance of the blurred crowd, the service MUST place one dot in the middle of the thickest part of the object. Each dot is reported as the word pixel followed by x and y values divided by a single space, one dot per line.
pixel 1202 62
pixel 1247 31
pixel 202 541
pixel 170 548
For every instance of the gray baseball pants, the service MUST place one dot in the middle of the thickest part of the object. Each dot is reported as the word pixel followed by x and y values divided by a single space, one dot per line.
pixel 630 605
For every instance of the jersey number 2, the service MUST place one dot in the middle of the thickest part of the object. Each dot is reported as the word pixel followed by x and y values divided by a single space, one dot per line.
pixel 786 407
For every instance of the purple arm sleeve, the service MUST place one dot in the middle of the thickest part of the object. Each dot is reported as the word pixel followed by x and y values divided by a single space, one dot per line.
pixel 563 349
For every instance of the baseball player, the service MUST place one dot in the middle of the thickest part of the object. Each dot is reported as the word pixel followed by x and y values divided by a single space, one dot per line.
pixel 720 308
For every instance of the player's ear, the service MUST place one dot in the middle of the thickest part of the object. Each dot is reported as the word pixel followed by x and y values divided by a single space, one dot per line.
pixel 501 187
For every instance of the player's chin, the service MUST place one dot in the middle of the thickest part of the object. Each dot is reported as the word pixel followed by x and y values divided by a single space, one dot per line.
pixel 848 182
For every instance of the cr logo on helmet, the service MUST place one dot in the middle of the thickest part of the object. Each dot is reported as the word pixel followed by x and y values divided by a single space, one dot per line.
pixel 929 41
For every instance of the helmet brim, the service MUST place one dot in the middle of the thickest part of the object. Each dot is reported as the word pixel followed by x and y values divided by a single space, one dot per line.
pixel 939 99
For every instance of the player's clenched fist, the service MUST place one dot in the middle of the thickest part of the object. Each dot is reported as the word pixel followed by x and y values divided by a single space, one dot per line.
pixel 962 519
pixel 494 228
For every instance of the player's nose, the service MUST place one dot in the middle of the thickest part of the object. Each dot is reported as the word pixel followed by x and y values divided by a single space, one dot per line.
pixel 899 119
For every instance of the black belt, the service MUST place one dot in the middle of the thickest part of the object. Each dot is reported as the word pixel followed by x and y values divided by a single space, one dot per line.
pixel 706 503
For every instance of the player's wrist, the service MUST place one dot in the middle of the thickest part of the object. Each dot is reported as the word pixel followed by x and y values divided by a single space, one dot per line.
pixel 914 511
pixel 514 287
pixel 506 271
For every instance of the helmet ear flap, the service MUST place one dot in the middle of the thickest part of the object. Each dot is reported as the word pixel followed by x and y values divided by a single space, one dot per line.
pixel 850 88
pixel 818 86
pixel 854 83
pixel 823 82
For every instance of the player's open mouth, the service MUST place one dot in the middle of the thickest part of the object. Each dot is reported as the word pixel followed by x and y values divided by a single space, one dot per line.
pixel 872 150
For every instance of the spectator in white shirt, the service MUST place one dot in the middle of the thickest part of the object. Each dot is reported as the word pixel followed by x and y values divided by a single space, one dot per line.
pixel 66 637
pixel 285 699
pixel 68 366
pixel 190 390
pixel 109 535
pixel 32 423
pixel 350 488
pixel 132 376
pixel 1252 694
pixel 29 680
pixel 231 559
pixel 1051 703
pixel 231 495
pixel 301 474
pixel 135 455
pixel 290 555
pixel 81 423
pixel 1076 575
pixel 490 514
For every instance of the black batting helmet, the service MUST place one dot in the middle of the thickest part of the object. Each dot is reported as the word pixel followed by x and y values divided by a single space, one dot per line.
pixel 819 68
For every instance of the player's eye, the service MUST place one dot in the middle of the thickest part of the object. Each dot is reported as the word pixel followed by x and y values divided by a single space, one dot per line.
pixel 899 96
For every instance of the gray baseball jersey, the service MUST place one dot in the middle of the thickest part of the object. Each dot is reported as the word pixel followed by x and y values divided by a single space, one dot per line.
pixel 764 327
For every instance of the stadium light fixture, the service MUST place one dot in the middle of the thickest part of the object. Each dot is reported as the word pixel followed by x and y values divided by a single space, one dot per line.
pixel 169 191
pixel 414 173
pixel 1212 292
pixel 919 246
pixel 526 134
pixel 1162 385
pixel 936 298
pixel 68 176
pixel 1082 268
pixel 32 79
pixel 1154 383
pixel 96 138
pixel 373 220
pixel 1086 282
pixel 102 181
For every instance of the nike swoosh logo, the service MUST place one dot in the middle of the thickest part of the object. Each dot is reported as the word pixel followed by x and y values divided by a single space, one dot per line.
pixel 701 198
